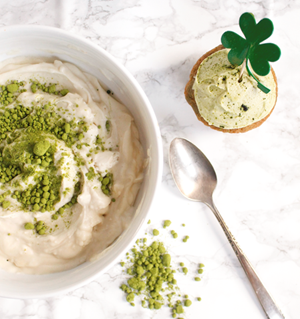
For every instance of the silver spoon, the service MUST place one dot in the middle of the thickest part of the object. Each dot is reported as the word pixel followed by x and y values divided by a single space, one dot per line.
pixel 196 179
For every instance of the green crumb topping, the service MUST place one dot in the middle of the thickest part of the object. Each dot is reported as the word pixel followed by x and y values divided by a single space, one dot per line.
pixel 185 239
pixel 41 147
pixel 174 234
pixel 39 227
pixel 199 299
pixel 197 279
pixel 157 305
pixel 183 225
pixel 64 92
pixel 48 88
pixel 155 232
pixel 151 277
pixel 40 144
pixel 31 176
pixel 149 222
pixel 5 204
pixel 130 297
pixel 122 263
pixel 201 265
pixel 29 226
pixel 166 260
pixel 107 125
pixel 167 223
pixel 91 174
pixel 200 271
pixel 52 88
pixel 107 183
pixel 184 270
pixel 12 88
pixel 10 92
pixel 179 309
pixel 33 88
pixel 187 303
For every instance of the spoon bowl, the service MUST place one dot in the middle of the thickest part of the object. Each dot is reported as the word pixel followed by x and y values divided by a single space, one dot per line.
pixel 193 174
pixel 196 179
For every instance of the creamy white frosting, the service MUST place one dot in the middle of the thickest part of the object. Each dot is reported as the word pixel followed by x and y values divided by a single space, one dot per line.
pixel 95 222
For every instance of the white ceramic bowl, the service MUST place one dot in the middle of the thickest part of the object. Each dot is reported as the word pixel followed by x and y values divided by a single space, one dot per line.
pixel 45 41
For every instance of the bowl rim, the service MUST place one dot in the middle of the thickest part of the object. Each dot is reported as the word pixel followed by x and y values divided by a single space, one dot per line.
pixel 159 156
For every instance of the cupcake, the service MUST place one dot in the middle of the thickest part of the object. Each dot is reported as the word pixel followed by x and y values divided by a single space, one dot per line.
pixel 233 89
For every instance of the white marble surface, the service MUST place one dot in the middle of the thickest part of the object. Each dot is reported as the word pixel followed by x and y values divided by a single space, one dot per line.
pixel 259 172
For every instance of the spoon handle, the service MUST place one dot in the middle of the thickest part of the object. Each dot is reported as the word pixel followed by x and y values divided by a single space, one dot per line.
pixel 265 299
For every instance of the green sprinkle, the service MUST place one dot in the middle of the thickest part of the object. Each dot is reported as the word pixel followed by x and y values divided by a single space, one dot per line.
pixel 187 303
pixel 107 125
pixel 155 232
pixel 157 305
pixel 185 239
pixel 199 299
pixel 36 207
pixel 200 271
pixel 197 279
pixel 42 231
pixel 33 88
pixel 12 88
pixel 130 297
pixel 6 204
pixel 29 226
pixel 40 148
pixel 167 223
pixel 201 265
pixel 179 309
pixel 166 260
pixel 52 88
pixel 67 128
pixel 149 221
pixel 64 92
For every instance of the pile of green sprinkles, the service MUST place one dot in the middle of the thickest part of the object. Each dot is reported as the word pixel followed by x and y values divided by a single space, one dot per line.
pixel 9 92
pixel 152 277
pixel 39 227
pixel 28 140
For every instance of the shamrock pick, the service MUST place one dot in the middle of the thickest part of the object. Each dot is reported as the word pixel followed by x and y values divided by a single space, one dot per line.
pixel 250 49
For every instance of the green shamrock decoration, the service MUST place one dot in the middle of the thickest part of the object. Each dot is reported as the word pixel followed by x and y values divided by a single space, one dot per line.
pixel 250 49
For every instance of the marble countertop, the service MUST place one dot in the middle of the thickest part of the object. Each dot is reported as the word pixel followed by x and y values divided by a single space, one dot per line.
pixel 258 172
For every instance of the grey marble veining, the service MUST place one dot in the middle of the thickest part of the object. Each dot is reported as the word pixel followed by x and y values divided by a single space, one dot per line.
pixel 258 193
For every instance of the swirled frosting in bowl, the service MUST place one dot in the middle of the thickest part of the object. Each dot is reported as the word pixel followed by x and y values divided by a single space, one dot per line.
pixel 225 102
pixel 71 165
